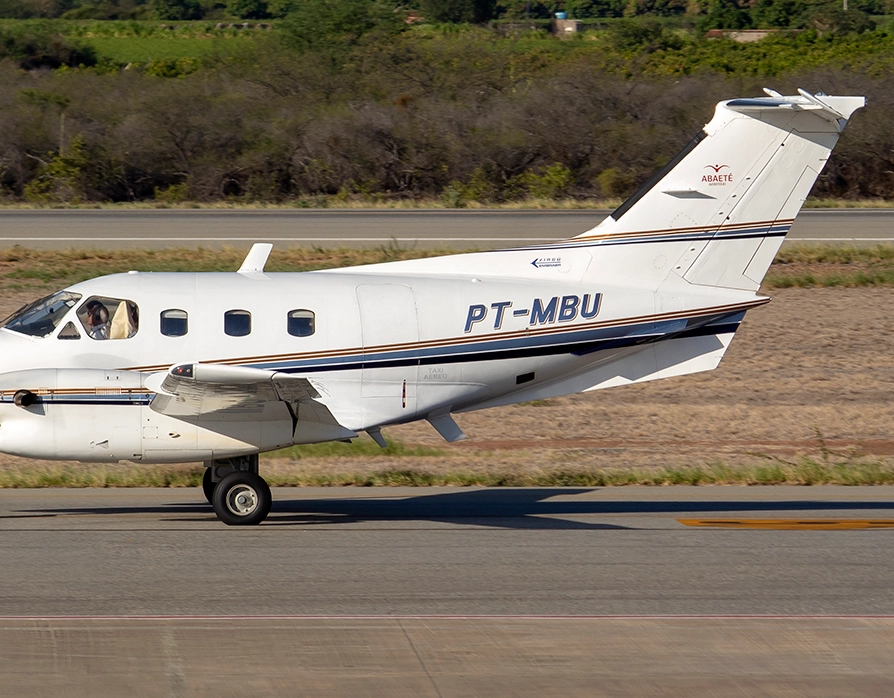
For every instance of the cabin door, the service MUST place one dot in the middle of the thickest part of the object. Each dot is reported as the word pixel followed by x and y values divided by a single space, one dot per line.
pixel 390 333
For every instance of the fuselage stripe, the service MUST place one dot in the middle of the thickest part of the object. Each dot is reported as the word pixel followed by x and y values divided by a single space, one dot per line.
pixel 453 344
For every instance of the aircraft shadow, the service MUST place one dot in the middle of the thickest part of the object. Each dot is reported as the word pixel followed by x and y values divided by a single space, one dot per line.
pixel 523 508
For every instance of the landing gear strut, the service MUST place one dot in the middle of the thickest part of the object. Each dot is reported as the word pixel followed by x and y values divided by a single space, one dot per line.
pixel 239 495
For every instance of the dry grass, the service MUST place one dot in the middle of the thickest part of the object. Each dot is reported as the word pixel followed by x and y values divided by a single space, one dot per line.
pixel 832 265
pixel 421 474
pixel 27 273
pixel 354 202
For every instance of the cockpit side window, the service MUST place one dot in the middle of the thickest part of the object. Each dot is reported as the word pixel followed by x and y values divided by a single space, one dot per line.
pixel 109 318
pixel 301 323
pixel 40 318
pixel 174 322
pixel 69 331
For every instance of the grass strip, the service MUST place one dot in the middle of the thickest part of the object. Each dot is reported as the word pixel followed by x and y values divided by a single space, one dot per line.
pixel 28 269
pixel 23 268
pixel 363 447
pixel 830 266
pixel 803 472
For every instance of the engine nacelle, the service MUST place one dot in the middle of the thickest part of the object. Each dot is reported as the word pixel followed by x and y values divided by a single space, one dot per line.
pixel 94 415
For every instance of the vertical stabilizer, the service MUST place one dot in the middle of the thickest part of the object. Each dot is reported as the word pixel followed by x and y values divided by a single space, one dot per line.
pixel 736 188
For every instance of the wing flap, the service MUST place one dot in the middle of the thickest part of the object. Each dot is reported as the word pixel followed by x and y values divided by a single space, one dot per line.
pixel 196 390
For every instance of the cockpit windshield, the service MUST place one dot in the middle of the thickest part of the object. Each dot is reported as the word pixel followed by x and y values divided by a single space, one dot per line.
pixel 42 316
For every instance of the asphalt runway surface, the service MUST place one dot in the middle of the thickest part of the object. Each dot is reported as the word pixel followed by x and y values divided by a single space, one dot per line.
pixel 733 591
pixel 448 551
pixel 441 229
pixel 450 592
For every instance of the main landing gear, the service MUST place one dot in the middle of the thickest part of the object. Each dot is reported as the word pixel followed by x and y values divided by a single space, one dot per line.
pixel 239 495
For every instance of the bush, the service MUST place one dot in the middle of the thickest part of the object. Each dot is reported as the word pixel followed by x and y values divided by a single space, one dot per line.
pixel 471 11
pixel 176 9
pixel 35 47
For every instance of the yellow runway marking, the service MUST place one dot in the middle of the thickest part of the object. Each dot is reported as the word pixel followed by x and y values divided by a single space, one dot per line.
pixel 792 524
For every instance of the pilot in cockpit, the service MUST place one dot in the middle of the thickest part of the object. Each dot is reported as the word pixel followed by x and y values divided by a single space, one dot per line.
pixel 97 320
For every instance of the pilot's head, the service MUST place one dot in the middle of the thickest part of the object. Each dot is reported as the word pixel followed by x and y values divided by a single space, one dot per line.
pixel 97 313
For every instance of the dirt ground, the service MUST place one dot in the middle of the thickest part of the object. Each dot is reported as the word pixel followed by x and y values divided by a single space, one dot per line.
pixel 814 367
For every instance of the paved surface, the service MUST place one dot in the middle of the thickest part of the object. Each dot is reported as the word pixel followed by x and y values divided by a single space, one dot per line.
pixel 355 586
pixel 540 551
pixel 333 228
pixel 441 658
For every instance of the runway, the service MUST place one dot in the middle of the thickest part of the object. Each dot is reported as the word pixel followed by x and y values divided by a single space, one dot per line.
pixel 447 551
pixel 447 657
pixel 432 229
pixel 448 592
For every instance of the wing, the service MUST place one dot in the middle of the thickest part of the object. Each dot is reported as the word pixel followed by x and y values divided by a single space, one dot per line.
pixel 210 391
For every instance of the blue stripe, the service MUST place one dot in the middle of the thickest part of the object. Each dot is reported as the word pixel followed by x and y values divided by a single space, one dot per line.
pixel 576 342
pixel 86 399
pixel 725 234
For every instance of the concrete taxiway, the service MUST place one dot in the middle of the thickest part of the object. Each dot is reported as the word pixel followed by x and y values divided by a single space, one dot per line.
pixel 441 229
pixel 450 592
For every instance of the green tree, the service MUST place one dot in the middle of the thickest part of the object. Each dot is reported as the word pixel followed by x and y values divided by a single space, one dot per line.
pixel 458 11
pixel 333 25
pixel 61 178
pixel 177 9
pixel 535 9
pixel 248 9
pixel 724 14
pixel 645 34
pixel 831 19
pixel 584 9
pixel 782 14
pixel 38 46
pixel 281 8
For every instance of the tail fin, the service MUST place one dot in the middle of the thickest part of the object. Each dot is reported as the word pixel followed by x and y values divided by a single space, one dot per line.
pixel 738 185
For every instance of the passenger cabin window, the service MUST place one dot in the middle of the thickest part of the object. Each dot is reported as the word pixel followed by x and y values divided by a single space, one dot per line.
pixel 174 323
pixel 301 323
pixel 40 318
pixel 109 318
pixel 237 323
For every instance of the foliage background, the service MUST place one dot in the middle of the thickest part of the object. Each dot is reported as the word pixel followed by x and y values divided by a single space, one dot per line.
pixel 347 99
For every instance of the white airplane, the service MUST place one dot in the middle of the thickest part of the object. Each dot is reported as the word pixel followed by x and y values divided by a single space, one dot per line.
pixel 219 367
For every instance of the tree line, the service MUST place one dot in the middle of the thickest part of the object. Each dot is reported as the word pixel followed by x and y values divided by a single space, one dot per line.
pixel 372 111
pixel 705 14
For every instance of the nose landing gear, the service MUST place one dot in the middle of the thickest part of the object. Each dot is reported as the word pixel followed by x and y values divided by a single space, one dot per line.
pixel 239 495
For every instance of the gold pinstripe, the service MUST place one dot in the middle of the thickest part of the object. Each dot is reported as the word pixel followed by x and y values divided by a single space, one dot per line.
pixel 472 339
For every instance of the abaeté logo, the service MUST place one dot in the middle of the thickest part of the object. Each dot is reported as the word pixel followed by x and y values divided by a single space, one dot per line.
pixel 717 178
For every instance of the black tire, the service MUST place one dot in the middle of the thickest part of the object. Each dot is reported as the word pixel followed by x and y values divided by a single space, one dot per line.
pixel 208 486
pixel 242 499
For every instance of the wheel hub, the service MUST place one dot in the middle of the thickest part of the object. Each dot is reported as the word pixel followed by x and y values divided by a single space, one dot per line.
pixel 242 500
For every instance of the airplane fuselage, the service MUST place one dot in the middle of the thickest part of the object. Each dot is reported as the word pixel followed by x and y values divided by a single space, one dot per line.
pixel 381 349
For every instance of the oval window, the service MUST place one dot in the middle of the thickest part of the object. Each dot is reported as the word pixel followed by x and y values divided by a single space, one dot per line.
pixel 237 323
pixel 174 323
pixel 301 323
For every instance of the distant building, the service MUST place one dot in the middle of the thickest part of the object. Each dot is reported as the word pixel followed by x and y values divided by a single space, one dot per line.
pixel 566 27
